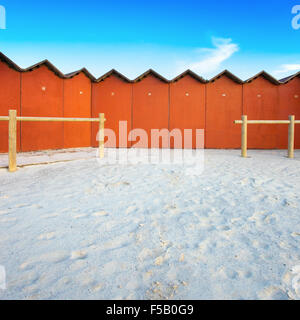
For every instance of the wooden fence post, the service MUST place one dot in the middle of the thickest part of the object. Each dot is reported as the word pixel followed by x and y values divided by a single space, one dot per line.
pixel 12 141
pixel 244 136
pixel 291 137
pixel 101 135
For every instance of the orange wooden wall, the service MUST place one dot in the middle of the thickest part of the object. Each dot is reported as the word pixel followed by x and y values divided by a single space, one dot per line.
pixel 77 104
pixel 42 103
pixel 223 106
pixel 149 102
pixel 289 104
pixel 187 106
pixel 9 99
pixel 150 106
pixel 112 96
pixel 261 102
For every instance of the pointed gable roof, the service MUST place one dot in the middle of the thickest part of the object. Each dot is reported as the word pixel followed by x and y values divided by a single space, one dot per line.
pixel 288 79
pixel 9 62
pixel 114 73
pixel 227 74
pixel 49 65
pixel 191 74
pixel 265 75
pixel 76 73
pixel 153 73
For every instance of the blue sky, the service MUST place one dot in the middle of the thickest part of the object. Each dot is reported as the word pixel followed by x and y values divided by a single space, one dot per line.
pixel 168 36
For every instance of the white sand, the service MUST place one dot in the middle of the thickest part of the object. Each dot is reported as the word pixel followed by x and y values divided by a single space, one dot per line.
pixel 79 230
pixel 48 156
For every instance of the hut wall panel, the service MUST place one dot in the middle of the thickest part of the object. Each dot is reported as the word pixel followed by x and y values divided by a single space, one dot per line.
pixel 77 104
pixel 223 106
pixel 42 103
pixel 151 107
pixel 289 104
pixel 187 106
pixel 112 96
pixel 261 102
pixel 9 99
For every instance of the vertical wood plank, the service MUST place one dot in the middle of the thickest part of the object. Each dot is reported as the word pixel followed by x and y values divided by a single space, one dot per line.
pixel 12 141
pixel 291 137
pixel 244 136
pixel 101 135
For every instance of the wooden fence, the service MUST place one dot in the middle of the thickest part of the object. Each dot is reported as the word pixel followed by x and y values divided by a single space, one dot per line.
pixel 12 128
pixel 291 140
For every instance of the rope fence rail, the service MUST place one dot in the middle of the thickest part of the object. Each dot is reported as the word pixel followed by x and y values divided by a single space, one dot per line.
pixel 291 140
pixel 12 132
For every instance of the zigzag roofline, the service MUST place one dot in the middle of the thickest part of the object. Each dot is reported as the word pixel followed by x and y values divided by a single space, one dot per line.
pixel 226 73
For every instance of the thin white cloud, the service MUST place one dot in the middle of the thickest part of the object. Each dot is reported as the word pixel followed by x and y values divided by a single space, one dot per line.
pixel 287 68
pixel 214 57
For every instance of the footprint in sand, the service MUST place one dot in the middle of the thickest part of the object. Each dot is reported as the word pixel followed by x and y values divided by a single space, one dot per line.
pixel 295 234
pixel 77 265
pixel 68 196
pixel 131 209
pixel 273 293
pixel 289 203
pixel 8 220
pixel 61 283
pixel 79 216
pixel 245 274
pixel 147 275
pixel 255 182
pixel 258 217
pixel 49 216
pixel 86 278
pixel 228 273
pixel 271 219
pixel 97 287
pixel 146 252
pixel 51 257
pixel 117 242
pixel 110 268
pixel 160 291
pixel 21 205
pixel 164 243
pixel 244 181
pixel 80 254
pixel 47 236
pixel 25 279
pixel 159 261
pixel 132 285
pixel 172 273
pixel 296 279
pixel 100 214
pixel 54 257
pixel 120 183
